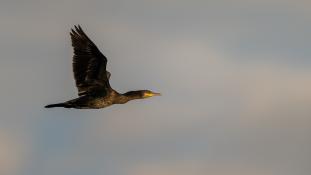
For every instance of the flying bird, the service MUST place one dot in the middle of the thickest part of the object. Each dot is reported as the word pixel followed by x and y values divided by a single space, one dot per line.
pixel 92 78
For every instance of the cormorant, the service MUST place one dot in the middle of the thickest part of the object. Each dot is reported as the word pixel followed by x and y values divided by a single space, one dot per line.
pixel 92 78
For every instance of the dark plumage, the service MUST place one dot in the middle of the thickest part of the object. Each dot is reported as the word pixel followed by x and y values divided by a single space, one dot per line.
pixel 92 78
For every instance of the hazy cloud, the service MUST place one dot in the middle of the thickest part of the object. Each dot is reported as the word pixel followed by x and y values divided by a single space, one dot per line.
pixel 235 78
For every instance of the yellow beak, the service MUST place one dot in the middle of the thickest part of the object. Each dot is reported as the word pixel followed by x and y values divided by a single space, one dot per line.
pixel 151 94
pixel 156 94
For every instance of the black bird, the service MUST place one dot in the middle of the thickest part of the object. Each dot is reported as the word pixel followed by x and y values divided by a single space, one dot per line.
pixel 92 78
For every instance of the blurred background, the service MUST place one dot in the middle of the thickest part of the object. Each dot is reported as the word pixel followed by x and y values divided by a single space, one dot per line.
pixel 235 78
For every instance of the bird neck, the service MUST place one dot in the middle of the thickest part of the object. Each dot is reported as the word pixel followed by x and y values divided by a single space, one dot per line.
pixel 131 95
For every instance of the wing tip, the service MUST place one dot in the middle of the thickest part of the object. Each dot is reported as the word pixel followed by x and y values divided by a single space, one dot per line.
pixel 77 30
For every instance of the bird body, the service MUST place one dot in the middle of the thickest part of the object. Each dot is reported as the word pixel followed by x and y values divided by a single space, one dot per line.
pixel 92 78
pixel 87 102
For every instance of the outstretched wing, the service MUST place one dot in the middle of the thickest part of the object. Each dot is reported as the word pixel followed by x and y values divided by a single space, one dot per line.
pixel 89 64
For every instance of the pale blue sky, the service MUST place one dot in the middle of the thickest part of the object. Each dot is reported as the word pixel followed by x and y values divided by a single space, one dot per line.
pixel 235 78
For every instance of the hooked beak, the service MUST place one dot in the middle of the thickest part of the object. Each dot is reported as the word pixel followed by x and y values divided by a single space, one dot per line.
pixel 156 94
pixel 150 94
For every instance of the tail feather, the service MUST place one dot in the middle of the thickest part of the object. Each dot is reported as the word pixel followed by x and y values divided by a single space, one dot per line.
pixel 58 105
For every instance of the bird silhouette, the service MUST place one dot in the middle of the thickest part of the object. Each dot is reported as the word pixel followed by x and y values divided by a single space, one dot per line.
pixel 92 78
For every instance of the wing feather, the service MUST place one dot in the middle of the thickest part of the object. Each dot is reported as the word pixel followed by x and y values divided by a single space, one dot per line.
pixel 89 64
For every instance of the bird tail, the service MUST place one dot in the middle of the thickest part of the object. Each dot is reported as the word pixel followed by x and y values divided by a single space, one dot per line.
pixel 65 105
